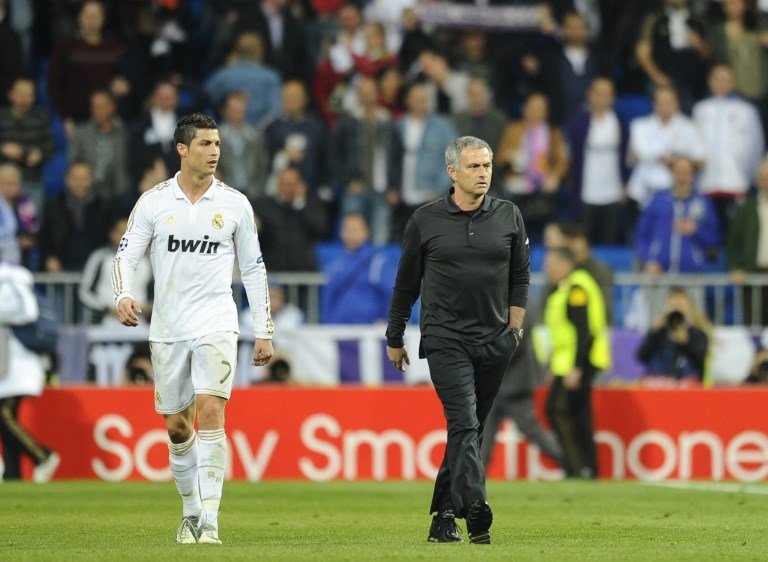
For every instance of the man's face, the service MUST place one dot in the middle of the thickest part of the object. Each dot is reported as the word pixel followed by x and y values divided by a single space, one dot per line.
pixel 722 82
pixel 477 92
pixel 22 96
pixel 290 185
pixel 79 180
pixel 10 183
pixel 166 97
pixel 102 108
pixel 574 30
pixel 475 170
pixel 418 102
pixel 91 18
pixel 202 155
pixel 349 17
pixel 235 109
pixel 665 104
pixel 601 95
pixel 354 232
pixel 294 98
pixel 367 93
pixel 556 267
pixel 682 173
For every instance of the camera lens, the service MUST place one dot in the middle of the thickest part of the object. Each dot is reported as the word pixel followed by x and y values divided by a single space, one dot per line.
pixel 675 319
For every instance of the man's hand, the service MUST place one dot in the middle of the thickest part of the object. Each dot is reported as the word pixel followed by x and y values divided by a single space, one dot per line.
pixel 398 356
pixel 127 312
pixel 572 379
pixel 262 352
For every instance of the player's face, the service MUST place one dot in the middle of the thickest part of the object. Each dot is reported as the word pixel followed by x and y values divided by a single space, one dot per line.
pixel 474 174
pixel 202 155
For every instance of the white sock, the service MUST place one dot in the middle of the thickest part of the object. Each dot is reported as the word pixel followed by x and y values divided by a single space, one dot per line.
pixel 212 455
pixel 183 457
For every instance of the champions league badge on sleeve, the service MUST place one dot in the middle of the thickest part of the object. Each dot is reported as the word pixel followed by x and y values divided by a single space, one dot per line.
pixel 218 221
pixel 123 244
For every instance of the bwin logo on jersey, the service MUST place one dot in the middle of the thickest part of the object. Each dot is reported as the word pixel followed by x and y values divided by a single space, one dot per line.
pixel 200 246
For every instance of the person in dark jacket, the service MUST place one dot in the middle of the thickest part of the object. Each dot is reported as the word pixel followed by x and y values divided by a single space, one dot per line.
pixel 290 224
pixel 674 351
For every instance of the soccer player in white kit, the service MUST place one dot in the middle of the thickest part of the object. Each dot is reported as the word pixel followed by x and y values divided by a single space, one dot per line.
pixel 193 226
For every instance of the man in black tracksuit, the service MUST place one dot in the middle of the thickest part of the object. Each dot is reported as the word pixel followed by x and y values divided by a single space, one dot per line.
pixel 467 256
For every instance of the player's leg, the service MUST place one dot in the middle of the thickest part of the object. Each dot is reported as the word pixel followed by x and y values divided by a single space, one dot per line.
pixel 175 400
pixel 213 370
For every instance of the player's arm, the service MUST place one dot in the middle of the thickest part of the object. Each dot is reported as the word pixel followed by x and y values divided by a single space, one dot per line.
pixel 253 273
pixel 133 244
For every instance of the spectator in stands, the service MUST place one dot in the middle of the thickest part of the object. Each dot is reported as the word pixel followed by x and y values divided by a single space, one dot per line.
pixel 733 141
pixel 371 60
pixel 446 86
pixel 246 72
pixel 389 13
pixel 359 282
pixel 9 244
pixel 102 142
pixel 21 375
pixel 25 134
pixel 655 141
pixel 153 132
pixel 284 36
pixel 598 140
pixel 11 52
pixel 367 163
pixel 95 289
pixel 672 50
pixel 24 212
pixel 73 222
pixel 83 64
pixel 301 127
pixel 290 224
pixel 150 171
pixel 571 66
pixel 415 40
pixel 390 83
pixel 481 119
pixel 747 249
pixel 423 137
pixel 534 160
pixel 244 162
pixel 675 349
pixel 737 42
pixel 350 39
pixel 678 229
pixel 472 56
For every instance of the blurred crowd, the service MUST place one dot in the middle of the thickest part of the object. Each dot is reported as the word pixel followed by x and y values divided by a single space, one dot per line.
pixel 640 121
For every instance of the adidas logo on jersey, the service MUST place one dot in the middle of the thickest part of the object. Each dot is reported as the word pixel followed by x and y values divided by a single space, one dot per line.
pixel 200 246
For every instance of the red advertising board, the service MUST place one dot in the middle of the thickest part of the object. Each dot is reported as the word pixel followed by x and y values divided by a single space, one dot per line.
pixel 398 433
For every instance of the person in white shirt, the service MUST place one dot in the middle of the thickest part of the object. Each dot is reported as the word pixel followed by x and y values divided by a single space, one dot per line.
pixel 654 143
pixel 193 226
pixel 733 140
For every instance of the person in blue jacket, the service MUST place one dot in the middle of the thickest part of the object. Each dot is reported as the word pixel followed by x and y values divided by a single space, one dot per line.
pixel 359 281
pixel 678 230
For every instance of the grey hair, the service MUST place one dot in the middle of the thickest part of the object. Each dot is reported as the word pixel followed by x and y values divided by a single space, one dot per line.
pixel 453 152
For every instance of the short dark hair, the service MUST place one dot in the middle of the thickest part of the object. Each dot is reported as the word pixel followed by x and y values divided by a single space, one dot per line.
pixel 187 127
pixel 572 230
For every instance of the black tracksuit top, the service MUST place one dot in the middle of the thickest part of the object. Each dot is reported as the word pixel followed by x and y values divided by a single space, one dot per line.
pixel 468 267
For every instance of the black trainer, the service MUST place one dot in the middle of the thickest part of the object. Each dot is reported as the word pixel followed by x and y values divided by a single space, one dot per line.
pixel 443 528
pixel 479 519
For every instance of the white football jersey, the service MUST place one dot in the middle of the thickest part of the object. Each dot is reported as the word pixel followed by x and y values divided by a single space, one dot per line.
pixel 192 249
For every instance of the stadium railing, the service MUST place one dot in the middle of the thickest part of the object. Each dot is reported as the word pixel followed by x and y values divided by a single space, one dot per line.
pixel 713 293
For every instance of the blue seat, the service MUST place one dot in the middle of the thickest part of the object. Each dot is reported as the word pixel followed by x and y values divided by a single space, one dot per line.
pixel 630 106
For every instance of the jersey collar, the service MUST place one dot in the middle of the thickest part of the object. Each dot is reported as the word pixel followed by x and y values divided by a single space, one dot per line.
pixel 454 209
pixel 209 193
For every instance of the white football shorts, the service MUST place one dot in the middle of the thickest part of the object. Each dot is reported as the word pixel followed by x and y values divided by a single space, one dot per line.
pixel 187 368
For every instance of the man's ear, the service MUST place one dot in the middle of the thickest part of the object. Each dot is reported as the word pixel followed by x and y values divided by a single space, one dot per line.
pixel 181 148
pixel 451 173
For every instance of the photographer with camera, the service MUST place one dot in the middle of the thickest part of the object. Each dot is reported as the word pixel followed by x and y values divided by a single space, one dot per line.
pixel 674 351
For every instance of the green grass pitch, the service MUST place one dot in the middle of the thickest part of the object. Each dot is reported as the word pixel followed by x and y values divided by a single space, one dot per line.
pixel 386 521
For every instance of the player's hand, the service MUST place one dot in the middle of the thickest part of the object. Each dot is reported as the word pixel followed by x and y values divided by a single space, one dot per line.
pixel 127 312
pixel 572 379
pixel 398 356
pixel 262 352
